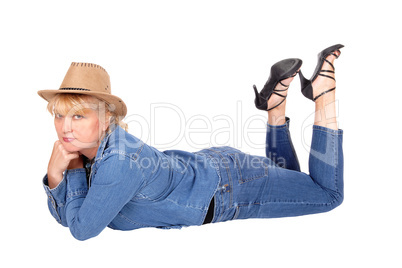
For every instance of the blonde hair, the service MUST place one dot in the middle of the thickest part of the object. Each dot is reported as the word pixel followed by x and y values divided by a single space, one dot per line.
pixel 66 103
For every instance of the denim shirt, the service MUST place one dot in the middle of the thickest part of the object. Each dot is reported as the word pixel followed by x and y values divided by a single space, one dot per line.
pixel 133 185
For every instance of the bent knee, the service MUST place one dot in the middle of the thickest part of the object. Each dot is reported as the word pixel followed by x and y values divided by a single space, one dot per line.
pixel 336 200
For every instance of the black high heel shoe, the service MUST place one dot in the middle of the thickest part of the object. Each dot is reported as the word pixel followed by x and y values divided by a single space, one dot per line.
pixel 279 71
pixel 307 85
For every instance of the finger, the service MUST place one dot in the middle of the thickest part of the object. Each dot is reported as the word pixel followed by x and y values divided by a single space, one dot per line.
pixel 73 155
pixel 56 144
pixel 61 149
pixel 66 154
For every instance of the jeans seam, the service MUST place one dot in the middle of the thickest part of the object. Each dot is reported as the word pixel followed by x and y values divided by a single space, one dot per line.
pixel 276 127
pixel 290 143
pixel 230 182
pixel 287 202
pixel 229 176
pixel 328 130
pixel 336 164
pixel 241 180
pixel 185 206
pixel 131 221
pixel 237 212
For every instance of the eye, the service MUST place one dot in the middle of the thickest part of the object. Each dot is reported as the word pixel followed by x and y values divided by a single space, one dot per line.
pixel 58 115
pixel 77 116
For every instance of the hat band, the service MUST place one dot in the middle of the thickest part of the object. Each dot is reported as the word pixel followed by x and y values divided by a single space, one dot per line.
pixel 73 88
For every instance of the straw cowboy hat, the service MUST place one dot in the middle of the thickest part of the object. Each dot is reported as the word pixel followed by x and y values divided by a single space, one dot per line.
pixel 88 79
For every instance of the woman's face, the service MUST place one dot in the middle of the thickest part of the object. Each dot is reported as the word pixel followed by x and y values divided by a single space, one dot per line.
pixel 80 132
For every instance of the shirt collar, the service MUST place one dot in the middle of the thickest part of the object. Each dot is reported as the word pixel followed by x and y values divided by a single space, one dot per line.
pixel 112 130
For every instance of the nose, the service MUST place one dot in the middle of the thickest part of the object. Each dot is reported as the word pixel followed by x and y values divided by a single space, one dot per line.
pixel 67 127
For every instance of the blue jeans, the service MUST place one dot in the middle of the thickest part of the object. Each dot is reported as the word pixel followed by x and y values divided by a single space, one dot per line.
pixel 273 186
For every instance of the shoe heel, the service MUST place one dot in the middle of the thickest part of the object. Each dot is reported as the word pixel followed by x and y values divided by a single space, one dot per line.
pixel 279 71
pixel 259 102
pixel 306 86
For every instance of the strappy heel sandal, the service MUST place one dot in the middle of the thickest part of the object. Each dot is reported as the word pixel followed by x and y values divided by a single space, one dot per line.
pixel 279 71
pixel 307 85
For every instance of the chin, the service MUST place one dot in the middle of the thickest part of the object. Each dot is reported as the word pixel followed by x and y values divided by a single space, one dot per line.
pixel 70 147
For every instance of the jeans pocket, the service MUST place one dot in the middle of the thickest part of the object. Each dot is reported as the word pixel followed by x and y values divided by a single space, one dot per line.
pixel 249 167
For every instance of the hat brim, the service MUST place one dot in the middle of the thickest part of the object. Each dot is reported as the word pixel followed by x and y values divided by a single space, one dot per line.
pixel 118 104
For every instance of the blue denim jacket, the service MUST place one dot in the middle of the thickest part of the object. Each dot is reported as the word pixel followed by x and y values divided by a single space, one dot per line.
pixel 133 185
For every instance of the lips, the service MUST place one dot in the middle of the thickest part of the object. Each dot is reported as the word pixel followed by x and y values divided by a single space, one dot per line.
pixel 65 139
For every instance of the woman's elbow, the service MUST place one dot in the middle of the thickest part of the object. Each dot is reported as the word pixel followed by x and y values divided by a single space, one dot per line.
pixel 83 232
pixel 81 236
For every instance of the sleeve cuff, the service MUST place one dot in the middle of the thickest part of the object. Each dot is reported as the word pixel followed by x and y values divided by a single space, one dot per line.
pixel 74 183
pixel 58 194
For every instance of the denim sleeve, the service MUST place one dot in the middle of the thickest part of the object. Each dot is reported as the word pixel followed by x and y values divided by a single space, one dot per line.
pixel 57 199
pixel 114 183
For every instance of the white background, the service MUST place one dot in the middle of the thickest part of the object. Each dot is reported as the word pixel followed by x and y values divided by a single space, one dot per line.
pixel 203 57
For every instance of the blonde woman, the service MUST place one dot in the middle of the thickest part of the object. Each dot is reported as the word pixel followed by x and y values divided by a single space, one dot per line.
pixel 101 176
